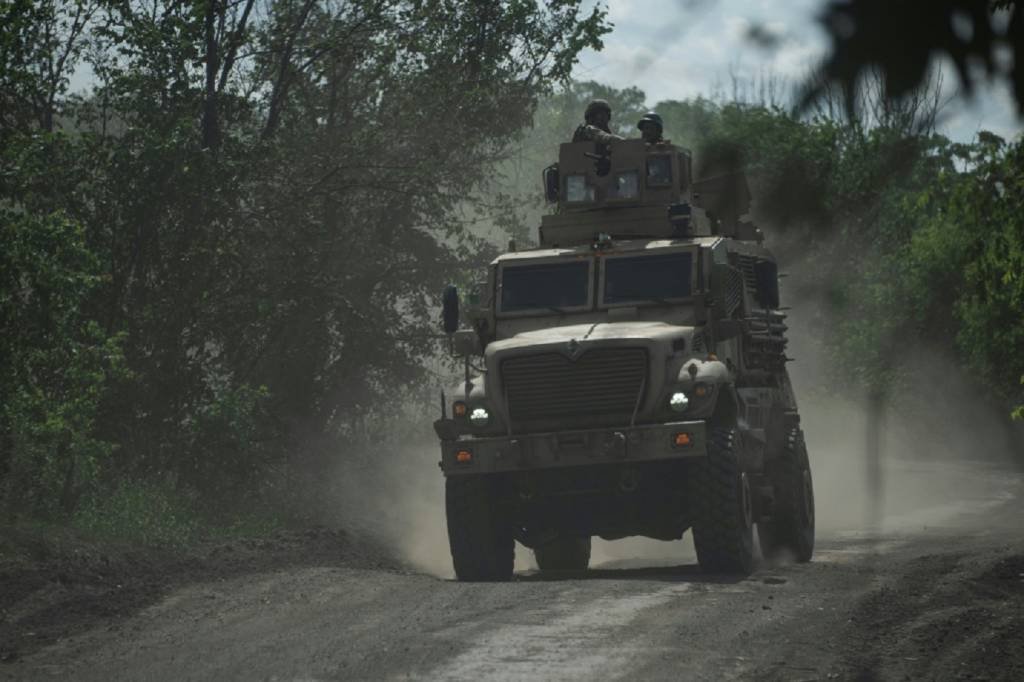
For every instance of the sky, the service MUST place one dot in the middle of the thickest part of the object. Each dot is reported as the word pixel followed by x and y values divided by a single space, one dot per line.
pixel 677 49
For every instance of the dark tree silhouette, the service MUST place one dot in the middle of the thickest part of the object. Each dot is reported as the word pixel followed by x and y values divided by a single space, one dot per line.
pixel 901 39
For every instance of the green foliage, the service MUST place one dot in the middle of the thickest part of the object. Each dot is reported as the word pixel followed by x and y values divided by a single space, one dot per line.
pixel 948 270
pixel 221 441
pixel 224 257
pixel 985 209
pixel 142 512
pixel 55 364
pixel 40 41
pixel 157 512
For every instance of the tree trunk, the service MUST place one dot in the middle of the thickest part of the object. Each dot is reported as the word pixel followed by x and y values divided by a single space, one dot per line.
pixel 283 80
pixel 211 128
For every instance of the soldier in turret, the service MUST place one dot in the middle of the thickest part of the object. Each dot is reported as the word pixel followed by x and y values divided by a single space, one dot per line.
pixel 651 128
pixel 597 116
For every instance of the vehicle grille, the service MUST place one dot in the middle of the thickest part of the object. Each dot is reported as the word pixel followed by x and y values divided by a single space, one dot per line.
pixel 733 295
pixel 748 265
pixel 549 389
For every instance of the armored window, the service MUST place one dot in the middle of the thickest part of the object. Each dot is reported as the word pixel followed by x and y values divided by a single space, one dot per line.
pixel 647 279
pixel 577 189
pixel 544 286
pixel 659 170
pixel 626 185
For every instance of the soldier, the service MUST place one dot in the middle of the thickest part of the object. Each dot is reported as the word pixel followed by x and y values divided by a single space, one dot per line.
pixel 651 128
pixel 597 116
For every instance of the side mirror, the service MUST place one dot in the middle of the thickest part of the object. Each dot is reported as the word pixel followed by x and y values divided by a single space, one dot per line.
pixel 552 183
pixel 450 309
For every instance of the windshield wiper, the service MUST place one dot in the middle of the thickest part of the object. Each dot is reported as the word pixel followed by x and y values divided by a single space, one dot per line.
pixel 637 298
pixel 545 306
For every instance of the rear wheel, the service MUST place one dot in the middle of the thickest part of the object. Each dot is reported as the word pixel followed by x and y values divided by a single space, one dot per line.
pixel 480 537
pixel 790 531
pixel 722 508
pixel 564 554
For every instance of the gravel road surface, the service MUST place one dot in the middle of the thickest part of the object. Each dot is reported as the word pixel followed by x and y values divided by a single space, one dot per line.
pixel 937 594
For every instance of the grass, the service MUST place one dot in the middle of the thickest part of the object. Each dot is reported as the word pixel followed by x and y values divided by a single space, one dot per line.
pixel 157 514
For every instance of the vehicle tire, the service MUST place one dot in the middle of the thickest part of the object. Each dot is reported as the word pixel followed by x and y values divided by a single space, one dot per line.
pixel 790 531
pixel 722 508
pixel 481 540
pixel 564 554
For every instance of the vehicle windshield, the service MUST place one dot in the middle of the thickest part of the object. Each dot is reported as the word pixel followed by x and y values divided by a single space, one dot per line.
pixel 647 278
pixel 555 286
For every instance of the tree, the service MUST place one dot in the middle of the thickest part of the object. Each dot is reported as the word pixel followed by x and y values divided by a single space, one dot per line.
pixel 39 46
pixel 273 192
pixel 900 40
pixel 55 365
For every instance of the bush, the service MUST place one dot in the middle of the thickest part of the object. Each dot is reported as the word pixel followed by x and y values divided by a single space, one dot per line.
pixel 162 513
pixel 55 365
pixel 148 513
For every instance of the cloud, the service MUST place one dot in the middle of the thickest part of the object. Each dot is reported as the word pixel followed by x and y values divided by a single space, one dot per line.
pixel 736 28
pixel 676 49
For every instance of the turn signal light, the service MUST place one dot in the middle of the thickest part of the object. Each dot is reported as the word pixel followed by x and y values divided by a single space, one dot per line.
pixel 459 409
pixel 682 440
pixel 700 390
pixel 463 456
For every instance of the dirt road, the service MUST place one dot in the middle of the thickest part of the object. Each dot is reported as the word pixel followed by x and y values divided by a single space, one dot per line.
pixel 943 600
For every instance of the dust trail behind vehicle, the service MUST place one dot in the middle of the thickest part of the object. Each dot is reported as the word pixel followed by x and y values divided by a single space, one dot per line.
pixel 943 446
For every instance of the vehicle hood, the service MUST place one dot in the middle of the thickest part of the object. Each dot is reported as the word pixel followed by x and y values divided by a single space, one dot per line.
pixel 592 335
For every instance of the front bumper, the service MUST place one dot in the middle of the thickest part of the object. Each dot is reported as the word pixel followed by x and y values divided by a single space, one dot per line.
pixel 573 448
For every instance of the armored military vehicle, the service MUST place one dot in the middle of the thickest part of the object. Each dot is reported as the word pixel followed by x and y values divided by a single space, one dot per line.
pixel 626 377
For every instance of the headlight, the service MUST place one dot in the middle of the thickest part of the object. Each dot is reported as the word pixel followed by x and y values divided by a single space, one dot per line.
pixel 678 401
pixel 479 417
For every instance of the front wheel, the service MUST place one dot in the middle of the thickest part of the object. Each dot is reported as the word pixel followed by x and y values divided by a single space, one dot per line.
pixel 481 539
pixel 722 508
pixel 790 531
pixel 564 554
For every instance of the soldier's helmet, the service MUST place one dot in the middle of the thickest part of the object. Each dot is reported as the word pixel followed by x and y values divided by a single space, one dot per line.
pixel 596 106
pixel 650 118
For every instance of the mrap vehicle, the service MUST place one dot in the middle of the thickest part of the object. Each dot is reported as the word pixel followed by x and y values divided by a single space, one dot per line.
pixel 626 377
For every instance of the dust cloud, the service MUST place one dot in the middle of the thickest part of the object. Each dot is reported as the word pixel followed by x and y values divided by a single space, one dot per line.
pixel 943 447
pixel 397 498
pixel 944 450
pixel 944 454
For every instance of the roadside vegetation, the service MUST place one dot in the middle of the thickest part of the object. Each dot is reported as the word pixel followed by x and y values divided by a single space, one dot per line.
pixel 220 263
